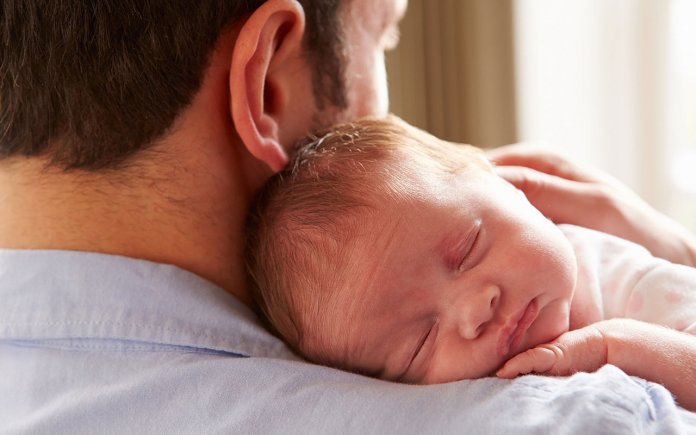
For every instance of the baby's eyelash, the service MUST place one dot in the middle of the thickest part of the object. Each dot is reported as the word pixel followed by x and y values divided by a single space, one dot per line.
pixel 430 334
pixel 414 355
pixel 469 247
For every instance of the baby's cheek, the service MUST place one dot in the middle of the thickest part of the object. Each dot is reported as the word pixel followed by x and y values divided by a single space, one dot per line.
pixel 553 320
pixel 474 360
pixel 562 270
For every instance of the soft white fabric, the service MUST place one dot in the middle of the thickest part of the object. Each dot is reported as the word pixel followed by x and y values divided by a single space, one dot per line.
pixel 99 344
pixel 625 280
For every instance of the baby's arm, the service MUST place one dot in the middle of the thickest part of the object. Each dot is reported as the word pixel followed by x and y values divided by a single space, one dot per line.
pixel 641 349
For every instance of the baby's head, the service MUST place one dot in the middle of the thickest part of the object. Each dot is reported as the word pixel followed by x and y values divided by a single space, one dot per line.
pixel 383 250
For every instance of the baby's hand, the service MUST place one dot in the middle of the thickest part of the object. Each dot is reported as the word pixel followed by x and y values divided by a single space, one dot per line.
pixel 581 350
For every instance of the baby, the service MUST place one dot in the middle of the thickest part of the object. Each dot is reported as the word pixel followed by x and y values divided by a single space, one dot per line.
pixel 386 251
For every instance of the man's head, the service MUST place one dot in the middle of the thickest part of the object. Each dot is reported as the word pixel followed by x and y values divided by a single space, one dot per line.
pixel 171 115
pixel 90 84
pixel 384 250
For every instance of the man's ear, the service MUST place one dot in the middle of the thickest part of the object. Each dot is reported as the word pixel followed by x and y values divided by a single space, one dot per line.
pixel 271 36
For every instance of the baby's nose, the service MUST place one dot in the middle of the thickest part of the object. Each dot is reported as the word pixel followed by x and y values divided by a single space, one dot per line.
pixel 478 312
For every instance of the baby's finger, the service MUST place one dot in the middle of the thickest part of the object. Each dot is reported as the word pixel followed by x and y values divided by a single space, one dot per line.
pixel 538 360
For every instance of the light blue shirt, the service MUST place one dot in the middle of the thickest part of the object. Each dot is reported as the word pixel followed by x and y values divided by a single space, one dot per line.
pixel 94 343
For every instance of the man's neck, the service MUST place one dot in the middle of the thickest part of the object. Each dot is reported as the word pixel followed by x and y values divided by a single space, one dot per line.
pixel 183 203
pixel 187 216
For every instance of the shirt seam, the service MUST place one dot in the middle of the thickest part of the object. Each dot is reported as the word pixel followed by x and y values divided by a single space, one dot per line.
pixel 199 334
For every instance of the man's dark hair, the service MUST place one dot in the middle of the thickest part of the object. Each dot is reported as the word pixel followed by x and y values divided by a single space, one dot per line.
pixel 90 83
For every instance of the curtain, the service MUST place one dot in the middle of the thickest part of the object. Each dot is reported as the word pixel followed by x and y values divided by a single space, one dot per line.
pixel 453 72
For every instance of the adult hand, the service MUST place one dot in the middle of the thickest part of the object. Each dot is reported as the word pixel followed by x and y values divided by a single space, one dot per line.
pixel 580 350
pixel 567 192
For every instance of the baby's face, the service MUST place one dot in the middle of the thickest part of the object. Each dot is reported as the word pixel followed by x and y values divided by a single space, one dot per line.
pixel 458 280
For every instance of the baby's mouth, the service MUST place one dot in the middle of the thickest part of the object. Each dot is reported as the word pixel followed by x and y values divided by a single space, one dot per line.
pixel 511 335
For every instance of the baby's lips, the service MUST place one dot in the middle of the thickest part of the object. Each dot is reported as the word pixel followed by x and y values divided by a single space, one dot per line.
pixel 512 335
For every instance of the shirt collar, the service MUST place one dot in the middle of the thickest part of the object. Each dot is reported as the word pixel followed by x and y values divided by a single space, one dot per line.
pixel 73 295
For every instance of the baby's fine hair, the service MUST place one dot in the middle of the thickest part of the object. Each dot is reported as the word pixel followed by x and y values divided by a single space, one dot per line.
pixel 304 222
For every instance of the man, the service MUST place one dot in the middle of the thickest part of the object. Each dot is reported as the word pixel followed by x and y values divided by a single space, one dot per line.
pixel 134 136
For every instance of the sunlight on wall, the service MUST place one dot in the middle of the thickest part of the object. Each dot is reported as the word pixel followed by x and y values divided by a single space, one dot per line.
pixel 681 121
pixel 614 84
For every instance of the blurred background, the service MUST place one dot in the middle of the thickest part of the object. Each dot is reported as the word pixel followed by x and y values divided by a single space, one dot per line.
pixel 609 82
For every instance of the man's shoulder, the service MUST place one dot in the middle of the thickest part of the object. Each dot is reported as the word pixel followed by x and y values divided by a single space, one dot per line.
pixel 155 392
pixel 96 345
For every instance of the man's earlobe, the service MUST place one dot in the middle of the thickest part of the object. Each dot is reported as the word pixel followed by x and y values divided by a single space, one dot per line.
pixel 272 34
